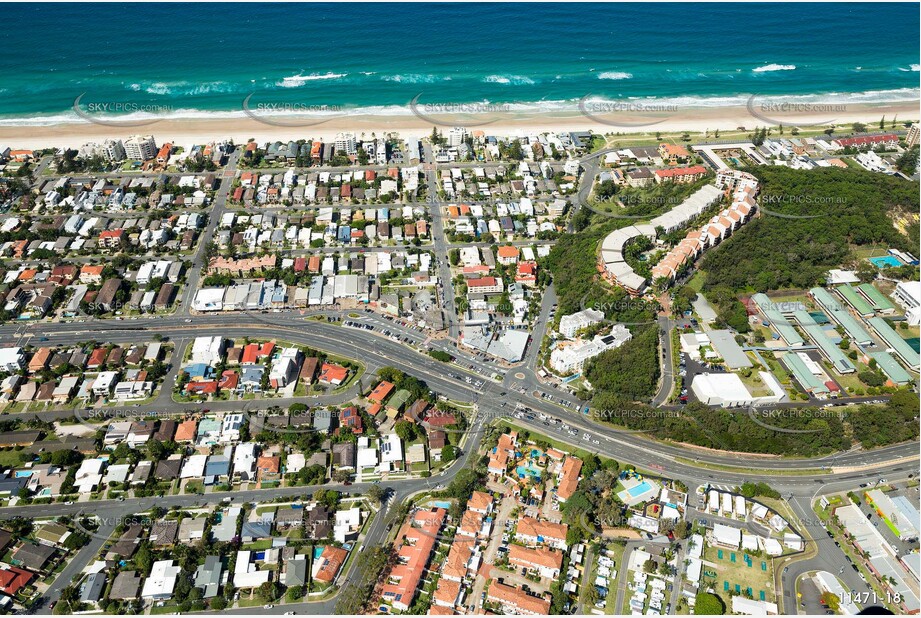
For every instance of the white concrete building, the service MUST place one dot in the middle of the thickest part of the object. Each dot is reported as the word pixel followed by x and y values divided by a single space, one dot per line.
pixel 571 358
pixel 573 322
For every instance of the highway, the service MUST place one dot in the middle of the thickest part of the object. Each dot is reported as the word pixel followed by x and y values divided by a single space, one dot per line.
pixel 353 343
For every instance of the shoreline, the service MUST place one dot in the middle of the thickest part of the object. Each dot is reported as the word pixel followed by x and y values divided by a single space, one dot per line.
pixel 189 131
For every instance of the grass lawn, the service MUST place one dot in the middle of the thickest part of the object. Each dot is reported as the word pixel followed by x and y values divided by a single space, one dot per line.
pixel 696 282
pixel 256 601
pixel 755 385
pixel 10 458
pixel 791 296
pixel 776 368
pixel 169 607
pixel 850 381
pixel 739 573
pixel 195 487
pixel 868 251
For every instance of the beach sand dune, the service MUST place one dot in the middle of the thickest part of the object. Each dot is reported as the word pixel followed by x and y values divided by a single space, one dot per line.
pixel 190 131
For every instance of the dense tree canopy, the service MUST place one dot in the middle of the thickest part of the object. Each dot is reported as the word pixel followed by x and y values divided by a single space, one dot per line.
pixel 631 371
pixel 809 221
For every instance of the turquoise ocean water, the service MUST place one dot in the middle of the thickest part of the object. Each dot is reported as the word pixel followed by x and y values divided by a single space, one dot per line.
pixel 196 60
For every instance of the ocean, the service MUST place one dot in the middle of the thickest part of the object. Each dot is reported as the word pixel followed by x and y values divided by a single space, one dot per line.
pixel 194 60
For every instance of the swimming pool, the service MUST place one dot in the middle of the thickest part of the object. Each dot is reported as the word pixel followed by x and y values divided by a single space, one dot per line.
pixel 885 261
pixel 317 552
pixel 639 490
pixel 443 505
pixel 23 474
pixel 527 471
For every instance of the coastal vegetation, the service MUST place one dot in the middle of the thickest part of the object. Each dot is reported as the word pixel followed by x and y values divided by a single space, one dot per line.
pixel 810 221
pixel 808 433
pixel 631 371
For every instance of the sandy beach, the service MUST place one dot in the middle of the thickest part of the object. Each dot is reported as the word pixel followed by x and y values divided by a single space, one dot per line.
pixel 188 131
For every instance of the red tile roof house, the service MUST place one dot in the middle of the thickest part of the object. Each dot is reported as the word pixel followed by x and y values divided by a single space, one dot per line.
pixel 333 374
pixel 40 359
pixel 267 468
pixel 253 352
pixel 229 380
pixel 63 275
pixel 507 254
pixel 12 580
pixel 437 418
pixel 97 358
pixel 329 563
pixel 112 239
pixel 91 273
pixel 681 174
pixel 350 418
pixel 527 273
pixel 204 387
pixel 381 392
pixel 186 431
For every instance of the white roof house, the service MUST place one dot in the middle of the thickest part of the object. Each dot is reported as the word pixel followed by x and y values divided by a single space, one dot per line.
pixel 741 605
pixel 391 448
pixel 207 350
pixel 772 547
pixel 117 474
pixel 696 546
pixel 749 542
pixel 366 457
pixel 162 580
pixel 244 461
pixel 103 383
pixel 89 475
pixel 230 428
pixel 194 467
pixel 347 524
pixel 295 463
pixel 245 574
pixel 727 535
pixel 12 359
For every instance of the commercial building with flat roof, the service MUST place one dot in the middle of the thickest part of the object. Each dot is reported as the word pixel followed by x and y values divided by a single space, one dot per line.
pixel 731 352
